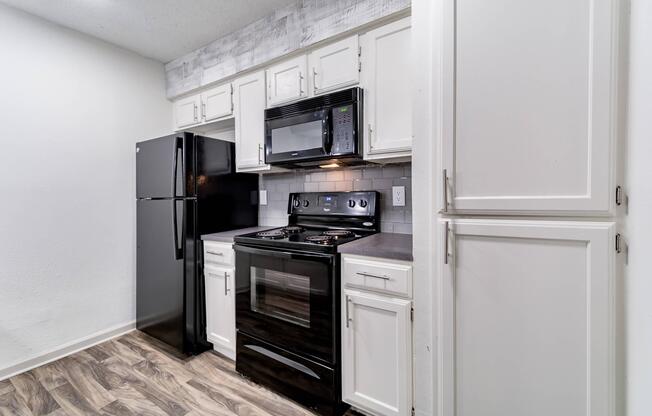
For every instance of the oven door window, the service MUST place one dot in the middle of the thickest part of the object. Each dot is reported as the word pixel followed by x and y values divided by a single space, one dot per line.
pixel 298 137
pixel 281 295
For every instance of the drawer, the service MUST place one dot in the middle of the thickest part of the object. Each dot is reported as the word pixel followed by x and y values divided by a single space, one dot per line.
pixel 383 276
pixel 218 253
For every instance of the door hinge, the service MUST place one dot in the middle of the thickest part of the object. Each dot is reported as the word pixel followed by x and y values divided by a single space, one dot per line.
pixel 412 314
pixel 359 66
pixel 619 243
pixel 413 411
pixel 359 50
pixel 619 195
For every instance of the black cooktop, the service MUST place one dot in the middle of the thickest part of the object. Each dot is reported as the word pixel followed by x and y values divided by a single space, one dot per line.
pixel 302 238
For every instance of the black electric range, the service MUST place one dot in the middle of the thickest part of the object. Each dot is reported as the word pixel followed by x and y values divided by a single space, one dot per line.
pixel 288 296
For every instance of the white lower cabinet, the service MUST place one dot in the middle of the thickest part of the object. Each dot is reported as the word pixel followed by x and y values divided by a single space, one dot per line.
pixel 219 277
pixel 526 311
pixel 376 339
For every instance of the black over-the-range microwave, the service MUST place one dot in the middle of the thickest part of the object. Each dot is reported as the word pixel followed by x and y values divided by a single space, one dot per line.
pixel 320 131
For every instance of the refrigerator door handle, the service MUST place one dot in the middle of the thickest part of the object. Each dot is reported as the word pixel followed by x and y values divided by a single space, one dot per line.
pixel 178 246
pixel 178 145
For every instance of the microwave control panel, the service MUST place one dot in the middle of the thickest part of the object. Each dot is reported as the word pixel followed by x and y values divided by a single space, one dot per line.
pixel 343 129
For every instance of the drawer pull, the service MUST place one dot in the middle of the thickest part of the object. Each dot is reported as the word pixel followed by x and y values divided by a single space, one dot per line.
pixel 215 253
pixel 373 275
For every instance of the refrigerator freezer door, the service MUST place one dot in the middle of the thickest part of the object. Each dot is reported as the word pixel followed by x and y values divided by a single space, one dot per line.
pixel 160 268
pixel 165 166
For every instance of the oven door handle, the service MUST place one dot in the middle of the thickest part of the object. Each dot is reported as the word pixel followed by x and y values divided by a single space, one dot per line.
pixel 284 254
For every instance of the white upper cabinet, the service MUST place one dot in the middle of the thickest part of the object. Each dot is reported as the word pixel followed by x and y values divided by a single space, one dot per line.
pixel 249 109
pixel 334 66
pixel 386 63
pixel 377 353
pixel 217 102
pixel 186 111
pixel 529 108
pixel 286 81
pixel 527 312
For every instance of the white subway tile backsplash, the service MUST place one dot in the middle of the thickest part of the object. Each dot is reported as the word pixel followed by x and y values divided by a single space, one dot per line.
pixel 368 178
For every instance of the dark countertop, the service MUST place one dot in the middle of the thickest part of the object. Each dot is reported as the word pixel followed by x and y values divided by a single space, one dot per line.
pixel 382 245
pixel 227 236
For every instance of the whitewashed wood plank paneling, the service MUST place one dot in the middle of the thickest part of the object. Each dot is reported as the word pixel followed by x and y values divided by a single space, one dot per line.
pixel 296 26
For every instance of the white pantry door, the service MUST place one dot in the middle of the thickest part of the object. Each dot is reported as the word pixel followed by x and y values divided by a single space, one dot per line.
pixel 527 313
pixel 529 106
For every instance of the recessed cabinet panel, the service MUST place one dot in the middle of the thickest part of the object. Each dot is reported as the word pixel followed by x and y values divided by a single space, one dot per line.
pixel 186 111
pixel 527 314
pixel 249 107
pixel 217 102
pixel 334 66
pixel 386 63
pixel 377 353
pixel 220 309
pixel 286 81
pixel 528 105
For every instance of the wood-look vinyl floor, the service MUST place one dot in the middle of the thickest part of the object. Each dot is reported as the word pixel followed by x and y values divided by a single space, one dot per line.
pixel 136 375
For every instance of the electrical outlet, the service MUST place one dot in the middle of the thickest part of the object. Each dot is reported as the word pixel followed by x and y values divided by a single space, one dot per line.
pixel 398 196
pixel 262 197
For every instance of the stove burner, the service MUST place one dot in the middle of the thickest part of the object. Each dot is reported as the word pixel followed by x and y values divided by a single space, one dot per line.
pixel 320 239
pixel 272 234
pixel 338 233
pixel 293 229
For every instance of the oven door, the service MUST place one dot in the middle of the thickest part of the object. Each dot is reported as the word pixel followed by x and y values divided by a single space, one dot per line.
pixel 287 299
pixel 299 137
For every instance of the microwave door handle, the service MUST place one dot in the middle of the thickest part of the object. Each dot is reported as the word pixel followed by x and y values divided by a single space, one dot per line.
pixel 327 133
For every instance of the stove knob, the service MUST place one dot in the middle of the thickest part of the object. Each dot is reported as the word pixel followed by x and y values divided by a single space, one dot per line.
pixel 306 203
pixel 351 203
pixel 296 203
pixel 363 203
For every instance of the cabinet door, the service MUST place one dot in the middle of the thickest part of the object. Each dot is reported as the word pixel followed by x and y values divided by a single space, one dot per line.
pixel 217 102
pixel 526 315
pixel 286 81
pixel 334 66
pixel 386 63
pixel 529 108
pixel 220 309
pixel 377 353
pixel 186 111
pixel 249 100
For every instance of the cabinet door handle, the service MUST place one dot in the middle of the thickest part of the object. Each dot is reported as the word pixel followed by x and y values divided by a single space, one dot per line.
pixel 300 83
pixel 314 79
pixel 194 111
pixel 365 274
pixel 226 285
pixel 446 234
pixel 445 187
pixel 348 320
pixel 215 253
pixel 260 148
pixel 370 131
pixel 203 110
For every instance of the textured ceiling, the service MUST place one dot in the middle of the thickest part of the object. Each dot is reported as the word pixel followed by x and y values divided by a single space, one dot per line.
pixel 159 29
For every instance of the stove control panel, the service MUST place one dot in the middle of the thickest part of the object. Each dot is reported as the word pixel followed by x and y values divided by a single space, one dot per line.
pixel 353 204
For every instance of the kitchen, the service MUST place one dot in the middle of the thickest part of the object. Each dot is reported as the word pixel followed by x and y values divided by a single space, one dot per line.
pixel 379 207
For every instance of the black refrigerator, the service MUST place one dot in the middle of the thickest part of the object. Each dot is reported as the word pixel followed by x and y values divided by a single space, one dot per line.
pixel 186 186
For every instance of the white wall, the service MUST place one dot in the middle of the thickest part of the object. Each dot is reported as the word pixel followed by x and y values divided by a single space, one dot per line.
pixel 639 220
pixel 71 109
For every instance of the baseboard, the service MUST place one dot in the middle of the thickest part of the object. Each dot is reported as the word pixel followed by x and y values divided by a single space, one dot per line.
pixel 66 349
